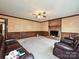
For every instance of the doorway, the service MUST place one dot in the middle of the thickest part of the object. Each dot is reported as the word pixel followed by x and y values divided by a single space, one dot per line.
pixel 3 27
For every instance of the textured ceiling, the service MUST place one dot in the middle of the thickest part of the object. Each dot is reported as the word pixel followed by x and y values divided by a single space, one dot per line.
pixel 25 8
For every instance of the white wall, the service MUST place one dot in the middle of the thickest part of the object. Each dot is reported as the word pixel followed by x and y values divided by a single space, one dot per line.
pixel 17 25
pixel 70 24
pixel 44 26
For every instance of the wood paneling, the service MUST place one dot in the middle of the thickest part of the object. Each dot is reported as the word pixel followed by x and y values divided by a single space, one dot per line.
pixel 44 33
pixel 19 35
pixel 69 34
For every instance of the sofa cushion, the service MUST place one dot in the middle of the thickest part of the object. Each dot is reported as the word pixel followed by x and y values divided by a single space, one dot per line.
pixel 68 41
pixel 14 46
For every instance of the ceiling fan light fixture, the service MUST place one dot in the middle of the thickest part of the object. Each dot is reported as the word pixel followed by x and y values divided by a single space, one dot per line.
pixel 40 14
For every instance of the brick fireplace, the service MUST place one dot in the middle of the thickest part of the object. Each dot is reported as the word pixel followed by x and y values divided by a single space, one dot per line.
pixel 55 28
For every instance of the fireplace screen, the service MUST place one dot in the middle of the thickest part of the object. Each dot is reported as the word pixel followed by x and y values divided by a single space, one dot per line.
pixel 54 33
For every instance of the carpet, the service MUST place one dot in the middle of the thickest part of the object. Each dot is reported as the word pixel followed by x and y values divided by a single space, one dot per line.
pixel 40 47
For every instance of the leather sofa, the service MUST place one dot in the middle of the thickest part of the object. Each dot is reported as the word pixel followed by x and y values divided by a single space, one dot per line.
pixel 8 45
pixel 67 50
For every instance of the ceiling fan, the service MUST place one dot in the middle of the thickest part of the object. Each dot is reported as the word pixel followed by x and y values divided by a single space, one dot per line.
pixel 40 14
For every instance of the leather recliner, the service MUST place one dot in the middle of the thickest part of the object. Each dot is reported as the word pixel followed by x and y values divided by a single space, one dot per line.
pixel 63 50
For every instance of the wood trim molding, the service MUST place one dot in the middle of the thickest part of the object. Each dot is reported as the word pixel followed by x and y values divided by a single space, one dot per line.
pixel 19 17
pixel 39 21
pixel 62 17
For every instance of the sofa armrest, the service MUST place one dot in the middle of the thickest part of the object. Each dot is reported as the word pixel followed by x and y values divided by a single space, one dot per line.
pixel 11 41
pixel 64 46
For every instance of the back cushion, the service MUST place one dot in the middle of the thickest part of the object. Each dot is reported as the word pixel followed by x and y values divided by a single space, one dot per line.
pixel 76 42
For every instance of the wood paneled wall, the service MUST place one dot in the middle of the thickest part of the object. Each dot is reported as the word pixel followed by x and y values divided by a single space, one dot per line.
pixel 19 35
pixel 69 34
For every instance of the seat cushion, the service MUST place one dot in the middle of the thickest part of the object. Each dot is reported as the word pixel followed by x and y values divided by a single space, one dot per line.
pixel 16 46
pixel 12 47
pixel 64 46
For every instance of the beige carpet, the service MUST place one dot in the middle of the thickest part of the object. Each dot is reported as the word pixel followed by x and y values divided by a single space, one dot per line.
pixel 40 47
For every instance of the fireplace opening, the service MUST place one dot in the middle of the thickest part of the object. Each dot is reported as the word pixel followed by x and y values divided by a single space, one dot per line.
pixel 54 33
